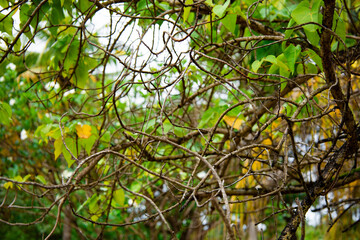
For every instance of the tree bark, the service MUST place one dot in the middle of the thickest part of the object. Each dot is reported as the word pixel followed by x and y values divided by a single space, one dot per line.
pixel 335 163
pixel 67 224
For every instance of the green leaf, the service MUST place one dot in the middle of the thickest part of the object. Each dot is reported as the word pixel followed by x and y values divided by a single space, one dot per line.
pixel 119 197
pixel 141 5
pixel 19 179
pixel 55 133
pixel 26 177
pixel 209 2
pixel 339 26
pixel 180 132
pixel 70 143
pixel 292 53
pixel 84 5
pixel 106 137
pixel 309 69
pixel 284 72
pixel 316 58
pixel 256 65
pixel 41 179
pixel 17 46
pixel 281 62
pixel 5 113
pixel 313 38
pixel 135 186
pixel 4 3
pixel 149 126
pixel 219 10
pixel 150 192
pixel 211 116
pixel 94 207
pixel 6 23
pixel 42 131
pixel 307 12
pixel 270 58
pixel 167 126
pixel 52 96
pixel 56 13
pixel 81 74
pixel 288 33
pixel 90 199
pixel 87 143
pixel 230 22
pixel 60 148
pixel 300 69
pixel 90 62
pixel 187 9
pixel 273 69
pixel 71 58
pixel 283 67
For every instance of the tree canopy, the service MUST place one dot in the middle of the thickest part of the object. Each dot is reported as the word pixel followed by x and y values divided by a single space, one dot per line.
pixel 172 119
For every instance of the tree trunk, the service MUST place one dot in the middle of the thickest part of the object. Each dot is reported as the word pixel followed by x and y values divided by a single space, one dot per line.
pixel 67 224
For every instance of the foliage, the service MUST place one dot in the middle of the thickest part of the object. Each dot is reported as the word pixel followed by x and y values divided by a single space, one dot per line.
pixel 179 119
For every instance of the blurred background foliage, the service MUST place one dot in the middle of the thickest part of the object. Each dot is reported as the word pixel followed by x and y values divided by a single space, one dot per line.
pixel 114 111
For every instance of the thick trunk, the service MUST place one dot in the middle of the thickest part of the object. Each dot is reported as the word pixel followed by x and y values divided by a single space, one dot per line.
pixel 67 224
pixel 335 163
pixel 252 229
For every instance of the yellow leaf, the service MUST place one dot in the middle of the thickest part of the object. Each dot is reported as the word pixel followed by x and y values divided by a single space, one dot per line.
pixel 233 122
pixel 83 131
pixel 119 197
pixel 187 9
pixel 267 141
pixel 256 165
pixel 93 78
pixel 18 178
pixel 120 52
pixel 8 185
pixel 208 21
pixel 95 217
pixel 58 147
pixel 131 153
